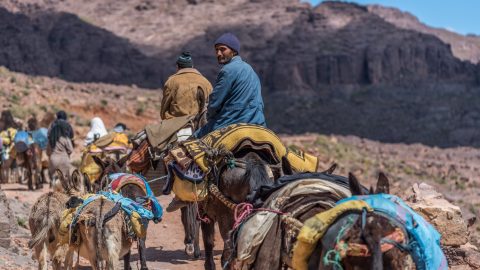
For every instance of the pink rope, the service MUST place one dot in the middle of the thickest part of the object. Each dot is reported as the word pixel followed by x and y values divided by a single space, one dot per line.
pixel 203 219
pixel 243 210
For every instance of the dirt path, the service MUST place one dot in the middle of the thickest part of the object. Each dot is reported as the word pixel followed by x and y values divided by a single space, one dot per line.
pixel 165 248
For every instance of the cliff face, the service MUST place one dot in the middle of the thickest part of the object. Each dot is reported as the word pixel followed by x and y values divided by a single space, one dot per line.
pixel 463 47
pixel 63 45
pixel 292 45
pixel 334 68
pixel 338 43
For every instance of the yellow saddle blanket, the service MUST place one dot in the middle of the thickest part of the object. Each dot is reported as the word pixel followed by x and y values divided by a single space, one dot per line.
pixel 239 137
pixel 89 167
pixel 113 141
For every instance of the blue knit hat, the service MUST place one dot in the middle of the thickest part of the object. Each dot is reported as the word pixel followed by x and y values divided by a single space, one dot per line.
pixel 229 40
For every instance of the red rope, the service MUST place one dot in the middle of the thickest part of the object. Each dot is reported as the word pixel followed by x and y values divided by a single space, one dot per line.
pixel 243 210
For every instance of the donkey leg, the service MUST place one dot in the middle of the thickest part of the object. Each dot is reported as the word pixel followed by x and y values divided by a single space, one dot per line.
pixel 190 229
pixel 126 261
pixel 112 261
pixel 141 252
pixel 196 242
pixel 30 180
pixel 68 262
pixel 208 231
pixel 41 255
pixel 225 224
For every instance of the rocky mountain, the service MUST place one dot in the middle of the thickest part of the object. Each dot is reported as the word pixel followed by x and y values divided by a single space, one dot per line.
pixel 334 68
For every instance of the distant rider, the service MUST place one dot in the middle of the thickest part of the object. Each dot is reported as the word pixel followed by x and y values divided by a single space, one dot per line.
pixel 181 89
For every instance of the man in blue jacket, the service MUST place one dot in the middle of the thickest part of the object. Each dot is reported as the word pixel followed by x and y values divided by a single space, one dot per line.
pixel 236 97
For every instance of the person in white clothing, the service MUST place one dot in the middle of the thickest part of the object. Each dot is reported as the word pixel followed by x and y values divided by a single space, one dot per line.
pixel 97 130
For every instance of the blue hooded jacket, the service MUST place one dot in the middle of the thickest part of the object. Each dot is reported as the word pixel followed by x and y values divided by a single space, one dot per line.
pixel 236 98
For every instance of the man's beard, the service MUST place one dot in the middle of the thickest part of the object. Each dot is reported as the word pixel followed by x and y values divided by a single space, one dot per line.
pixel 224 60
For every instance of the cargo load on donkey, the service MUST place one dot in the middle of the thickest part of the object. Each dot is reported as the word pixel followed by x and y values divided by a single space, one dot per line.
pixel 187 163
pixel 151 144
pixel 114 144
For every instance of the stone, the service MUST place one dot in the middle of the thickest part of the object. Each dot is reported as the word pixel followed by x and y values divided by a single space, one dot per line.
pixel 444 216
pixel 460 267
pixel 5 222
pixel 463 257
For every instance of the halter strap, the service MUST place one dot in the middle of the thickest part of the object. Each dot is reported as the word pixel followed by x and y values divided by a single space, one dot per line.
pixel 395 239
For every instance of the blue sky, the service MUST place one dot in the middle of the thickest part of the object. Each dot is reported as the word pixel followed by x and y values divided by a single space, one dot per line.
pixel 462 16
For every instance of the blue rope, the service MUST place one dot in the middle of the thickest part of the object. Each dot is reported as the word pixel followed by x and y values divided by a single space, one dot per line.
pixel 231 163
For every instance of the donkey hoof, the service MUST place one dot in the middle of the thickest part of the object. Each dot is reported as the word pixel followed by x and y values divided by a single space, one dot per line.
pixel 189 249
pixel 144 268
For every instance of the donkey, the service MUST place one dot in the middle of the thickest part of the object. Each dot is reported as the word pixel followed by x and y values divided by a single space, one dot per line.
pixel 234 184
pixel 30 159
pixel 44 223
pixel 368 235
pixel 102 240
pixel 130 191
pixel 189 213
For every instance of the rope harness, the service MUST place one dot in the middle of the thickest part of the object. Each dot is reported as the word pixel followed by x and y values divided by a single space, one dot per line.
pixel 343 249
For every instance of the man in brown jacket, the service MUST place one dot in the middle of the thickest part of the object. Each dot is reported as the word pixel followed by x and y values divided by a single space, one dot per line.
pixel 180 90
pixel 180 98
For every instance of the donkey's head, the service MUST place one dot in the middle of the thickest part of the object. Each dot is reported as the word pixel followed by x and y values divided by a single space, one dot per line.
pixel 108 166
pixel 74 185
pixel 242 176
pixel 361 238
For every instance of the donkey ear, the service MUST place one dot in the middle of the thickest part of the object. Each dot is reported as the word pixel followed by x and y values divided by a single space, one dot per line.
pixel 286 166
pixel 355 187
pixel 122 161
pixel 383 185
pixel 61 178
pixel 331 169
pixel 86 183
pixel 99 162
pixel 76 181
